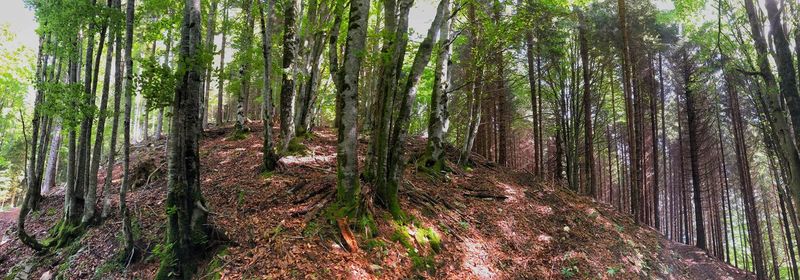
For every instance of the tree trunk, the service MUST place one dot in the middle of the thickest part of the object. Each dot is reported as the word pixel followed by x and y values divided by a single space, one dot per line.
pixel 244 71
pixel 687 73
pixel 387 186
pixel 91 192
pixel 211 26
pixel 786 71
pixel 52 160
pixel 474 98
pixel 221 78
pixel 348 183
pixel 776 115
pixel 588 140
pixel 438 118
pixel 288 79
pixel 187 212
pixel 126 139
pixel 270 159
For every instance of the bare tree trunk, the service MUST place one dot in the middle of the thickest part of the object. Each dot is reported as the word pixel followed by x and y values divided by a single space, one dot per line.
pixel 474 98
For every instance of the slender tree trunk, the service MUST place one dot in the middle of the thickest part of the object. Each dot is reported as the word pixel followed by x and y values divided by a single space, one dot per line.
pixel 687 70
pixel 112 147
pixel 786 71
pixel 221 77
pixel 588 140
pixel 474 99
pixel 91 192
pixel 270 159
pixel 244 71
pixel 211 26
pixel 126 139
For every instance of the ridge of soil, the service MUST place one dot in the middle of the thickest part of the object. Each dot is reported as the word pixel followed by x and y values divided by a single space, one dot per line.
pixel 494 223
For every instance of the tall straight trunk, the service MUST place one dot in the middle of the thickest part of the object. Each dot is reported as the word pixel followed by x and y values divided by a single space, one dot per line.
pixel 588 140
pixel 52 160
pixel 687 70
pixel 629 108
pixel 112 145
pixel 745 181
pixel 532 81
pixel 348 187
pixel 91 192
pixel 270 159
pixel 126 138
pixel 187 226
pixel 474 98
pixel 247 43
pixel 211 26
pixel 776 114
pixel 288 79
pixel 654 143
pixel 313 39
pixel 439 116
pixel 221 78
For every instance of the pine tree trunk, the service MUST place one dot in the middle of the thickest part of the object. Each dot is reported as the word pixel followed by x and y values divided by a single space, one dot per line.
pixel 776 115
pixel 588 140
pixel 786 72
pixel 687 73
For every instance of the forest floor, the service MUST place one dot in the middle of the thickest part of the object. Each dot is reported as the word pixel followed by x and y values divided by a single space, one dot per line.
pixel 493 223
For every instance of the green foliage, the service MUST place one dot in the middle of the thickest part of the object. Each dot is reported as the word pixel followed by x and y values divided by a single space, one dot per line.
pixel 612 271
pixel 569 272
pixel 156 83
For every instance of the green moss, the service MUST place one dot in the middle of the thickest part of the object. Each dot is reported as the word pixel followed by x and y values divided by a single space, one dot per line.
pixel 311 229
pixel 107 267
pixel 238 135
pixel 375 244
pixel 215 266
pixel 296 147
pixel 432 238
pixel 267 174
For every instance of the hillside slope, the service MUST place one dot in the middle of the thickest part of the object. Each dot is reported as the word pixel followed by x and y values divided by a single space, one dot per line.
pixel 493 224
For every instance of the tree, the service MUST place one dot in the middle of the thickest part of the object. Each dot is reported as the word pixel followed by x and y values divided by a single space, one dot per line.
pixel 186 208
pixel 588 141
pixel 270 159
pixel 288 76
pixel 348 188
pixel 126 135
pixel 246 40
pixel 438 118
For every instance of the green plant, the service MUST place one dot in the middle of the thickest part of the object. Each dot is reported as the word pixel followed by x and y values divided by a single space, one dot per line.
pixel 464 225
pixel 613 271
pixel 569 271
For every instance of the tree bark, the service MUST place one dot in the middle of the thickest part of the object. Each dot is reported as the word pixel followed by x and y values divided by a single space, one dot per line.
pixel 126 139
pixel 221 78
pixel 187 212
pixel 270 159
pixel 288 79
pixel 438 118
pixel 246 44
pixel 588 140
pixel 211 26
